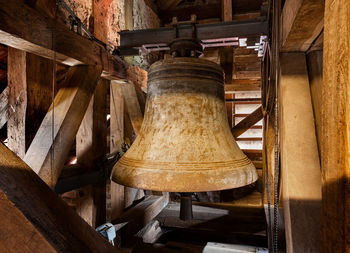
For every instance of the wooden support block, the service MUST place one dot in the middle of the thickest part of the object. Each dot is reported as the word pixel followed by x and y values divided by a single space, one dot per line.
pixel 226 62
pixel 140 215
pixel 247 122
pixel 335 128
pixel 35 219
pixel 300 164
pixel 91 144
pixel 4 97
pixel 66 114
pixel 30 96
pixel 302 22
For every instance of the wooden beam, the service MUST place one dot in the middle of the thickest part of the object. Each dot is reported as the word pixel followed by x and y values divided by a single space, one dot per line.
pixel 300 164
pixel 302 22
pixel 247 122
pixel 116 191
pixel 243 85
pixel 226 10
pixel 33 214
pixel 3 106
pixel 19 26
pixel 335 142
pixel 140 215
pixel 66 114
pixel 251 28
pixel 30 96
pixel 226 62
pixel 91 144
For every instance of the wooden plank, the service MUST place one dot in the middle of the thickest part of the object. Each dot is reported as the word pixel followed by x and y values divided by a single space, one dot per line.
pixel 35 216
pixel 243 85
pixel 25 28
pixel 247 122
pixel 300 164
pixel 3 106
pixel 302 22
pixel 66 114
pixel 91 144
pixel 116 191
pixel 335 122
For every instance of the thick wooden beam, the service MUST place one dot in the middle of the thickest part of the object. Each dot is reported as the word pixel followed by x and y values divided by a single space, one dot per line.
pixel 247 122
pixel 25 28
pixel 335 131
pixel 91 144
pixel 116 191
pixel 30 96
pixel 302 22
pixel 254 28
pixel 36 217
pixel 300 164
pixel 61 123
pixel 3 106
pixel 168 4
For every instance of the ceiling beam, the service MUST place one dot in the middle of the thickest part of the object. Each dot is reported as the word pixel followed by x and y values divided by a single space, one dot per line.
pixel 25 28
pixel 136 39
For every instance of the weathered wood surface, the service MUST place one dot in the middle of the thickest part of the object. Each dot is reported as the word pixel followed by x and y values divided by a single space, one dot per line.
pixel 62 122
pixel 91 144
pixel 116 191
pixel 226 10
pixel 4 97
pixel 335 132
pixel 25 28
pixel 35 219
pixel 243 85
pixel 17 103
pixel 30 96
pixel 302 22
pixel 300 164
pixel 247 122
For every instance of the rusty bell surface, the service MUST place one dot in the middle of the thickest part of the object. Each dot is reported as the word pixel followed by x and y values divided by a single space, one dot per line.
pixel 185 143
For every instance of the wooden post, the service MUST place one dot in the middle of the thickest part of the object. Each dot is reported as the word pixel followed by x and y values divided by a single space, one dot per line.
pixel 335 131
pixel 91 143
pixel 61 123
pixel 116 140
pixel 226 53
pixel 300 165
pixel 30 96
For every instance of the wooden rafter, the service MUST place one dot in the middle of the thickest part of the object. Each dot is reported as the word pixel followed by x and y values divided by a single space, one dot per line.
pixel 25 28
pixel 247 122
pixel 67 112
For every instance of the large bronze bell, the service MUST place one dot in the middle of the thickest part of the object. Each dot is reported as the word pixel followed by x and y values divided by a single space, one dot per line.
pixel 185 143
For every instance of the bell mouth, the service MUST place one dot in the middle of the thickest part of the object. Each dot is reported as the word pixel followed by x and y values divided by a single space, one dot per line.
pixel 189 177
